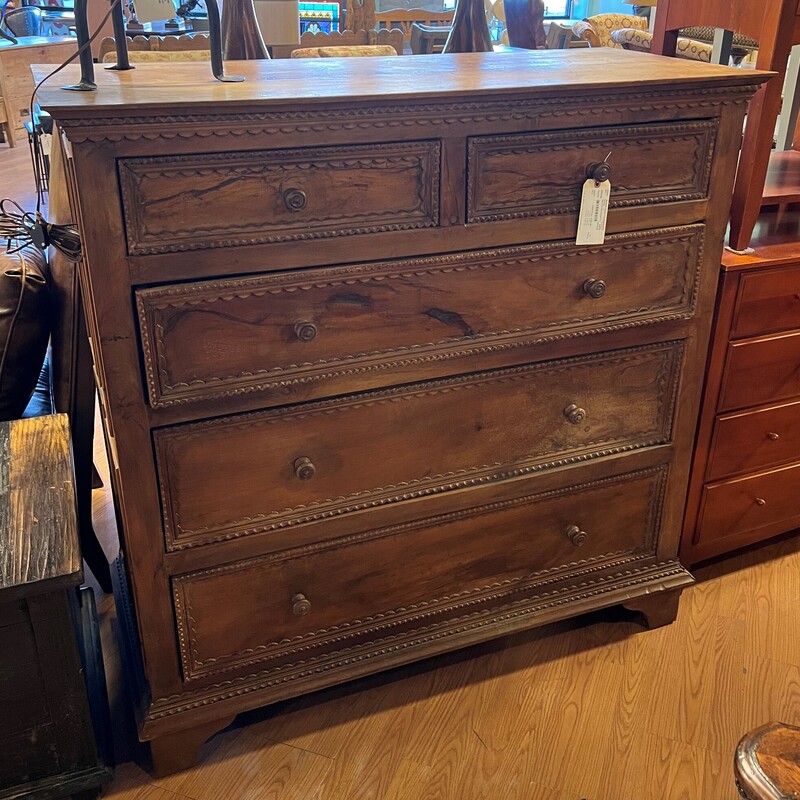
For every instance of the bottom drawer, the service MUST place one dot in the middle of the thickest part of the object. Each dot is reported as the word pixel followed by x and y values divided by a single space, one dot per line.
pixel 766 500
pixel 347 592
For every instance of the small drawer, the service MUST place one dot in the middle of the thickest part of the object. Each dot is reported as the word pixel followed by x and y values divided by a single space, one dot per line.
pixel 761 371
pixel 254 473
pixel 345 593
pixel 755 440
pixel 751 503
pixel 350 325
pixel 174 203
pixel 769 301
pixel 542 174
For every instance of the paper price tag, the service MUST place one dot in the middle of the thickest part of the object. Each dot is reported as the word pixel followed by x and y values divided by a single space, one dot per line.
pixel 593 213
pixel 154 10
pixel 46 141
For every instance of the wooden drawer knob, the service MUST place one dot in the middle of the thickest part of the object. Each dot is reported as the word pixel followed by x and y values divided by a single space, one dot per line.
pixel 594 288
pixel 575 414
pixel 300 605
pixel 577 536
pixel 304 468
pixel 599 171
pixel 774 436
pixel 305 331
pixel 295 199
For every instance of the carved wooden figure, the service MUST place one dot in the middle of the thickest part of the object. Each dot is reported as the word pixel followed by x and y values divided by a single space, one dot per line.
pixel 345 341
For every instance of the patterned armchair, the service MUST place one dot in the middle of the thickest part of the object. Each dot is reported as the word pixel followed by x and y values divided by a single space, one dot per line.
pixel 597 30
pixel 634 39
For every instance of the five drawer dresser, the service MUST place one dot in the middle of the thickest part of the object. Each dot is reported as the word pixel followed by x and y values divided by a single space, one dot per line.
pixel 744 482
pixel 365 399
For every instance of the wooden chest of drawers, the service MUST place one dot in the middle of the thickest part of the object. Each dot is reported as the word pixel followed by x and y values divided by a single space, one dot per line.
pixel 366 400
pixel 747 466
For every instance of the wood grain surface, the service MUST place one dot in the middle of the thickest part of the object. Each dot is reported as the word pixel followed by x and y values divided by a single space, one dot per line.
pixel 38 534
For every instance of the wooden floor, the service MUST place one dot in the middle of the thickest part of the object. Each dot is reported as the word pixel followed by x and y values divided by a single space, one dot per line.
pixel 596 708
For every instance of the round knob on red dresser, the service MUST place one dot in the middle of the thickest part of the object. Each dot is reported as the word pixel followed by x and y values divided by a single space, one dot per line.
pixel 575 414
pixel 300 605
pixel 774 436
pixel 594 288
pixel 305 331
pixel 760 501
pixel 295 199
pixel 304 468
pixel 599 171
pixel 577 536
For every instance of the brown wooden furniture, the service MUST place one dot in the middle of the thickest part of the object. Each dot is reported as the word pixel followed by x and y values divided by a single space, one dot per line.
pixel 403 19
pixel 392 37
pixel 767 763
pixel 525 23
pixel 426 39
pixel 161 44
pixel 744 479
pixel 47 735
pixel 335 452
pixel 16 83
pixel 776 27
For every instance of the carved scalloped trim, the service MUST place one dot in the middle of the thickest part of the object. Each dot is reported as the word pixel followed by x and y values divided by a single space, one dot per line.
pixel 424 155
pixel 163 393
pixel 178 537
pixel 398 116
pixel 423 609
pixel 522 144
pixel 636 576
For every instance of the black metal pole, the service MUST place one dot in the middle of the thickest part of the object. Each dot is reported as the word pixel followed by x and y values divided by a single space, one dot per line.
pixel 120 40
pixel 87 83
pixel 215 34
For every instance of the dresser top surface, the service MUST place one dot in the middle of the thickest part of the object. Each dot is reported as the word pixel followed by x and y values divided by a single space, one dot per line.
pixel 280 82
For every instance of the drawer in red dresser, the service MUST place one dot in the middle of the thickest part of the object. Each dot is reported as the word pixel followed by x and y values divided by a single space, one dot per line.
pixel 754 440
pixel 769 300
pixel 760 371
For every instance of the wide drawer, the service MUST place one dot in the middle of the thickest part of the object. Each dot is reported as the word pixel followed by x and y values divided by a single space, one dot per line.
pixel 192 202
pixel 754 440
pixel 216 338
pixel 259 472
pixel 342 593
pixel 769 300
pixel 542 174
pixel 761 371
pixel 750 503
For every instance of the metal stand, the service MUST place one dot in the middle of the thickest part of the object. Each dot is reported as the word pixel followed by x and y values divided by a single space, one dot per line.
pixel 87 83
pixel 215 33
pixel 120 41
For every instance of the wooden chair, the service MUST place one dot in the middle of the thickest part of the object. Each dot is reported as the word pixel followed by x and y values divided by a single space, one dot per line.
pixel 428 38
pixel 561 37
pixel 405 18
pixel 163 44
pixel 597 30
pixel 775 25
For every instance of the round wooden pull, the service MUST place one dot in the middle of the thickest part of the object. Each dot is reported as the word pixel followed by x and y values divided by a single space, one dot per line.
pixel 305 331
pixel 304 468
pixel 295 199
pixel 575 414
pixel 577 536
pixel 300 605
pixel 760 501
pixel 598 171
pixel 594 288
pixel 774 436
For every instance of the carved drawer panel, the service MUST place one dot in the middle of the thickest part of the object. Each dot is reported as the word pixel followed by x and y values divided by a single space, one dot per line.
pixel 304 463
pixel 753 440
pixel 542 174
pixel 761 370
pixel 756 501
pixel 217 338
pixel 769 300
pixel 174 203
pixel 422 577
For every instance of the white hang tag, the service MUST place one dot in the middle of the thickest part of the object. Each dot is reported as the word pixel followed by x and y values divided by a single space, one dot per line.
pixel 593 213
